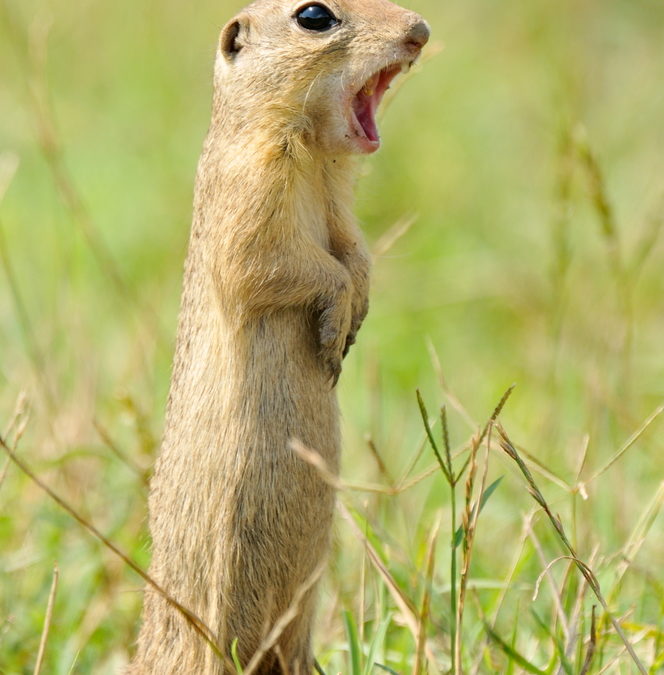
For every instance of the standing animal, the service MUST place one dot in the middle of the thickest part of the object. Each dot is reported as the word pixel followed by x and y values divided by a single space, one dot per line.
pixel 275 289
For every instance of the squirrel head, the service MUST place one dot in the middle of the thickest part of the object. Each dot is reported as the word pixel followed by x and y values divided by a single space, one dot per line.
pixel 311 74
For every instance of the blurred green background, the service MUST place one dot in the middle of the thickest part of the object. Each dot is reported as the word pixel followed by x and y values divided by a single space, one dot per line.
pixel 527 152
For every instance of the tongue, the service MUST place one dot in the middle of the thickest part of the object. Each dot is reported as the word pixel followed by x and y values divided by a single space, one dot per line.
pixel 364 106
pixel 369 97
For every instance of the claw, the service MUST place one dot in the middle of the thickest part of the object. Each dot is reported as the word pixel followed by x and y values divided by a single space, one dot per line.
pixel 350 341
pixel 335 371
pixel 334 326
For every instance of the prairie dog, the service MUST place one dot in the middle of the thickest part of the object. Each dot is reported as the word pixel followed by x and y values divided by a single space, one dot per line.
pixel 275 289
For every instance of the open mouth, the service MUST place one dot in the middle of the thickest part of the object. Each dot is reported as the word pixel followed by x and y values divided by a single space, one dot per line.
pixel 365 103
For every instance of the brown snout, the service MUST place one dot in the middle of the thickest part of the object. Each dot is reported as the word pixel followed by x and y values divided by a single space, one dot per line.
pixel 417 34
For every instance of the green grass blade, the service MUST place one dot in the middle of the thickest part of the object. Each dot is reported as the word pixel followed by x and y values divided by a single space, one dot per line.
pixel 512 653
pixel 432 442
pixel 376 643
pixel 458 535
pixel 515 633
pixel 235 657
pixel 353 643
pixel 558 643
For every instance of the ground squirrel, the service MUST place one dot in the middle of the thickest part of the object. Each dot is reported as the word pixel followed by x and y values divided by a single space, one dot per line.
pixel 275 289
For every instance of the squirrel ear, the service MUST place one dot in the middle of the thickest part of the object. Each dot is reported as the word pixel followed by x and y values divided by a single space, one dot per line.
pixel 233 38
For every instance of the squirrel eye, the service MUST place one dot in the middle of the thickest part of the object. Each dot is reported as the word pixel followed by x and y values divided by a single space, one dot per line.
pixel 316 17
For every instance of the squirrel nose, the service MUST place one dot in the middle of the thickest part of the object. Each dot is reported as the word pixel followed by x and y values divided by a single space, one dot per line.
pixel 418 34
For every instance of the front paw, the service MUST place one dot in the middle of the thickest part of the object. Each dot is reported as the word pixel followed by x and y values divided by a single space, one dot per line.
pixel 333 330
pixel 360 307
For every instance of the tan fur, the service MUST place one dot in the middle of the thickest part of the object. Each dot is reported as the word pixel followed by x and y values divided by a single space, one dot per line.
pixel 275 288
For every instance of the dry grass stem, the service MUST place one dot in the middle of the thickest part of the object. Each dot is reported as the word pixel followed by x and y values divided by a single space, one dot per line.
pixel 196 623
pixel 638 535
pixel 470 517
pixel 18 420
pixel 382 467
pixel 122 456
pixel 315 459
pixel 454 402
pixel 9 163
pixel 3 471
pixel 363 593
pixel 592 644
pixel 282 622
pixel 633 545
pixel 426 599
pixel 414 459
pixel 48 618
pixel 583 456
pixel 35 354
pixel 415 480
pixel 17 425
pixel 556 593
pixel 578 607
pixel 609 667
pixel 431 51
pixel 648 242
pixel 392 236
pixel 587 573
pixel 628 443
pixel 467 548
pixel 544 471
pixel 599 196
pixel 518 552
pixel 408 611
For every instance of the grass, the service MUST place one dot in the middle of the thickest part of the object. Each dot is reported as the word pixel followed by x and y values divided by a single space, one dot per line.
pixel 516 213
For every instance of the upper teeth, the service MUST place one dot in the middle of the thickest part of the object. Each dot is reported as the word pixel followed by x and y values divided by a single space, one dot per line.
pixel 370 85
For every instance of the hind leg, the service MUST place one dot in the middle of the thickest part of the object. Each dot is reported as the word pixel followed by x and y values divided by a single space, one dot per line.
pixel 294 649
pixel 291 654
